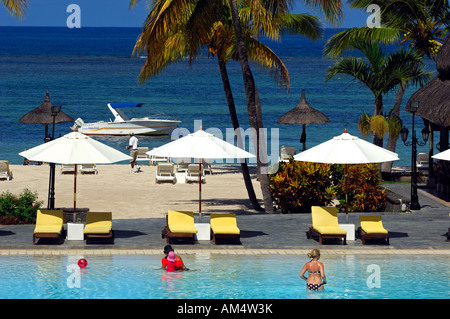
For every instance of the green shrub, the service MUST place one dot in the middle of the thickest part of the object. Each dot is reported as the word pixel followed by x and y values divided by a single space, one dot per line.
pixel 363 188
pixel 20 209
pixel 299 185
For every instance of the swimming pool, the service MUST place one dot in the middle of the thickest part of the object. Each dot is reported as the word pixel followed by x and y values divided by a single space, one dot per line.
pixel 224 277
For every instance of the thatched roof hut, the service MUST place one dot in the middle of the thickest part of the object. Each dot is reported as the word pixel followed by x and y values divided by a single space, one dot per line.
pixel 434 107
pixel 303 114
pixel 434 98
pixel 43 115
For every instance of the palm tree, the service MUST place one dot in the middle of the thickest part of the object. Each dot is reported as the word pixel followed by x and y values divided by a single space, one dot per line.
pixel 209 23
pixel 420 23
pixel 222 43
pixel 16 7
pixel 423 24
pixel 381 73
pixel 332 10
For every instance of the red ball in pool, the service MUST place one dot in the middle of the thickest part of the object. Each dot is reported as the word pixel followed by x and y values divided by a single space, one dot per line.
pixel 82 263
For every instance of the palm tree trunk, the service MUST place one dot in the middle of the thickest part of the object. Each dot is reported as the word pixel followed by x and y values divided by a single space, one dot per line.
pixel 392 140
pixel 253 108
pixel 378 111
pixel 235 122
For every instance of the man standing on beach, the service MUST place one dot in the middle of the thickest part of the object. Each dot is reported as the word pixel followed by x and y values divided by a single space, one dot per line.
pixel 133 144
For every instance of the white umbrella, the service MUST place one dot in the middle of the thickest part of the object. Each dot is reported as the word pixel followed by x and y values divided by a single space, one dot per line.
pixel 74 148
pixel 200 145
pixel 444 155
pixel 346 149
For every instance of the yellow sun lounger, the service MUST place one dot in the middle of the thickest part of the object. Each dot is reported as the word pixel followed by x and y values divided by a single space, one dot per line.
pixel 179 224
pixel 371 228
pixel 49 224
pixel 325 224
pixel 224 226
pixel 99 225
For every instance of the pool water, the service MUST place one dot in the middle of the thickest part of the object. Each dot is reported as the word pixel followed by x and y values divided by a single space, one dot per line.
pixel 224 277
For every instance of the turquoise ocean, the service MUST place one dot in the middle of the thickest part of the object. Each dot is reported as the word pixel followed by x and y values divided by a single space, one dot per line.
pixel 84 69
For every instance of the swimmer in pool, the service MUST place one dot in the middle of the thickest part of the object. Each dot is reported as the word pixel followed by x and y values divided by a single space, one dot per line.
pixel 179 264
pixel 316 273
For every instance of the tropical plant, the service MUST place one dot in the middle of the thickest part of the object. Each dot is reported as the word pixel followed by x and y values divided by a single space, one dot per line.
pixel 422 24
pixel 380 124
pixel 16 7
pixel 20 209
pixel 299 185
pixel 208 23
pixel 380 72
pixel 332 10
pixel 361 187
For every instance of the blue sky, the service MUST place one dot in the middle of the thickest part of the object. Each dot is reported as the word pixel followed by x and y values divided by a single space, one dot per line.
pixel 115 13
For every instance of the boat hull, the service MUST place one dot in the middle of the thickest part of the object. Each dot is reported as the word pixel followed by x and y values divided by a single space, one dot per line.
pixel 146 127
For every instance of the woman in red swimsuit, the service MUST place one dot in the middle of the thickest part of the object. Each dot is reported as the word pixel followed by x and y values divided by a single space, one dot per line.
pixel 316 274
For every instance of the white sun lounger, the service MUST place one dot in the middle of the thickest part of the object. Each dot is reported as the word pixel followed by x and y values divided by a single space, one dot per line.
pixel 165 172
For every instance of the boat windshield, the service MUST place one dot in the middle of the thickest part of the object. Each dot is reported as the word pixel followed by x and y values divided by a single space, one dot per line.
pixel 122 114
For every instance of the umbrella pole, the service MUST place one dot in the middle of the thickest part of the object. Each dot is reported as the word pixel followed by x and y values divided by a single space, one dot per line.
pixel 303 137
pixel 200 191
pixel 346 194
pixel 75 193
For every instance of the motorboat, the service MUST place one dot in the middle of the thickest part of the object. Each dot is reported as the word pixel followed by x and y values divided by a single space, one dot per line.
pixel 123 125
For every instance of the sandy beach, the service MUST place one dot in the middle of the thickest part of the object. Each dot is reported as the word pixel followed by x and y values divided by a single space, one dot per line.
pixel 129 195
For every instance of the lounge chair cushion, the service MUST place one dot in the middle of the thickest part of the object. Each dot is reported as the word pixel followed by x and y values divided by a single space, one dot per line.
pixel 372 225
pixel 98 223
pixel 325 220
pixel 224 224
pixel 324 216
pixel 181 222
pixel 49 221
pixel 330 230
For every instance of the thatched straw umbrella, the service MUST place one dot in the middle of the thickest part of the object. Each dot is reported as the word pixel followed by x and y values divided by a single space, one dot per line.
pixel 303 114
pixel 43 115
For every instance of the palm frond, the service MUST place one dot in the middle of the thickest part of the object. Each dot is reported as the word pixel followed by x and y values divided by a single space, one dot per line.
pixel 268 60
pixel 352 66
pixel 303 24
pixel 341 41
pixel 16 7
pixel 277 6
pixel 166 17
pixel 174 49
pixel 266 23
pixel 333 10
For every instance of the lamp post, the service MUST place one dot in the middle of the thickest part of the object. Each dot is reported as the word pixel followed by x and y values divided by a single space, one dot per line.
pixel 51 187
pixel 414 142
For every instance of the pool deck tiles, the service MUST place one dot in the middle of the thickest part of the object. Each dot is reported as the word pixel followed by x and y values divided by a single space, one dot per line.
pixel 238 251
